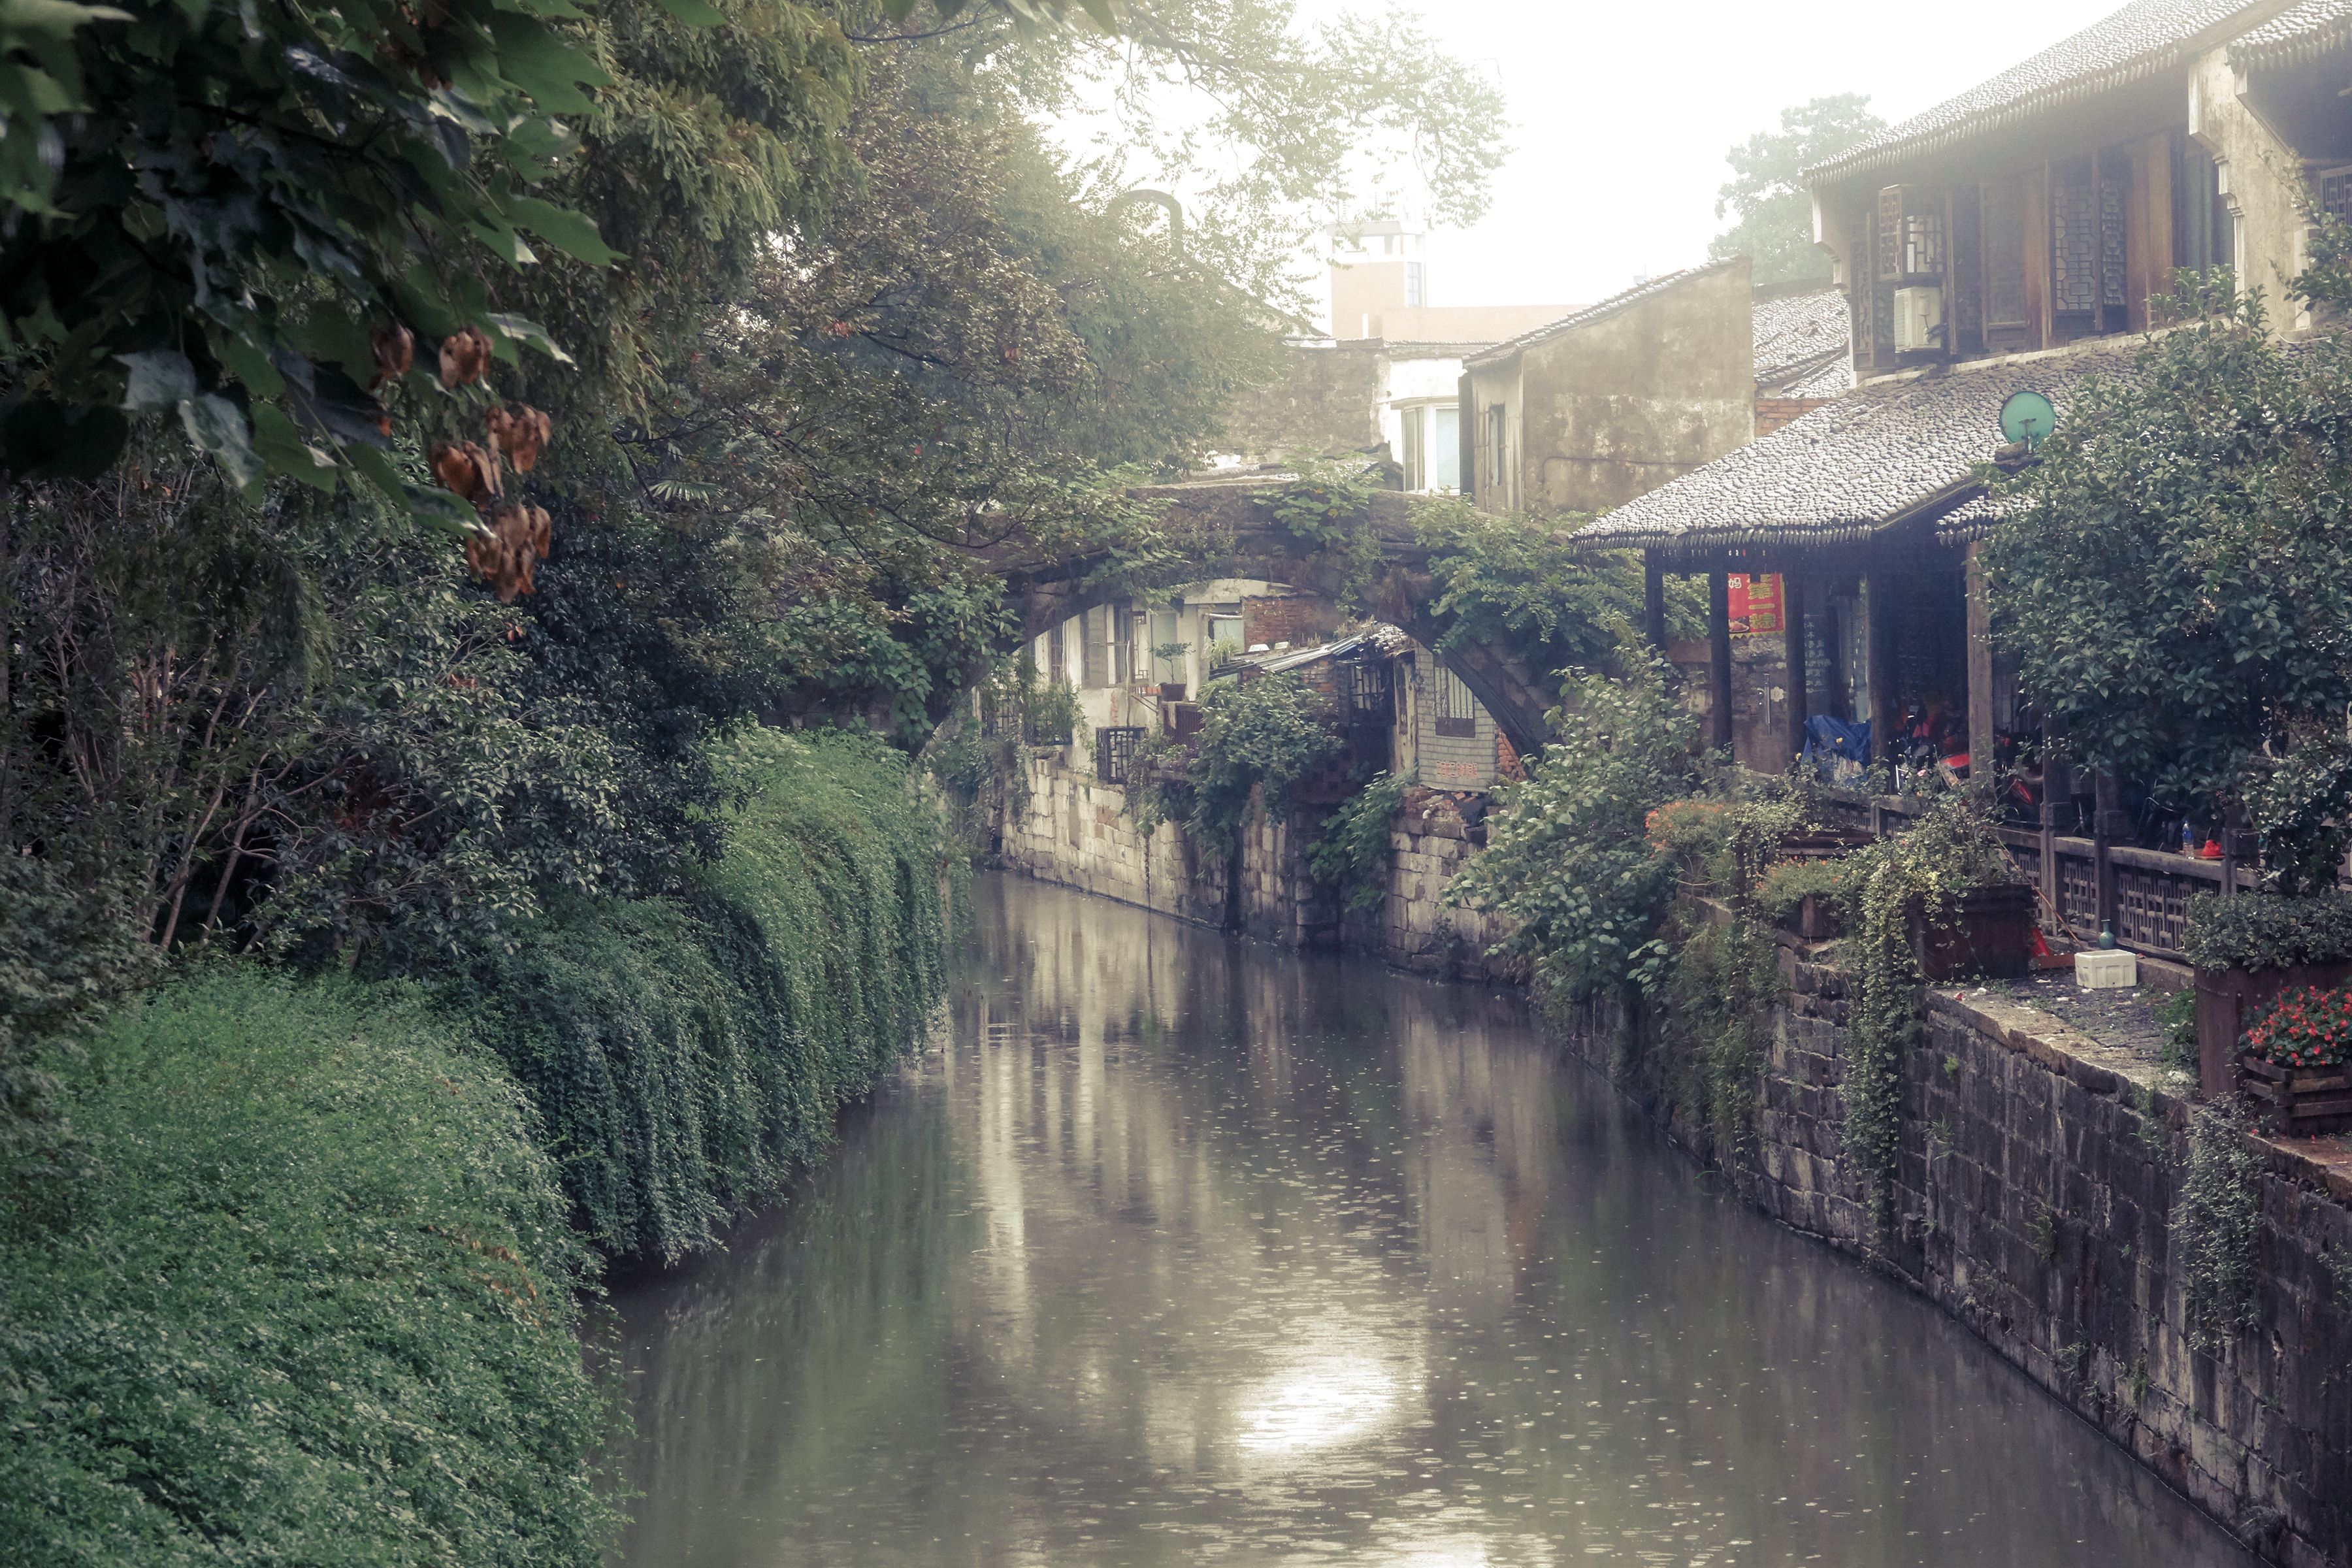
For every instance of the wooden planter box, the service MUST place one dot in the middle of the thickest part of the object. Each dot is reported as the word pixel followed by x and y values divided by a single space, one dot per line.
pixel 2229 999
pixel 1986 930
pixel 2300 1101
pixel 1813 920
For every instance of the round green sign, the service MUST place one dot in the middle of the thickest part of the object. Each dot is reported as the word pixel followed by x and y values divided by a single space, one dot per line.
pixel 2027 416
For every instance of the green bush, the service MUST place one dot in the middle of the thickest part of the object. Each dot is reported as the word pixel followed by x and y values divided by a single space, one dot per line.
pixel 688 1054
pixel 1790 883
pixel 2255 931
pixel 314 1300
pixel 1569 855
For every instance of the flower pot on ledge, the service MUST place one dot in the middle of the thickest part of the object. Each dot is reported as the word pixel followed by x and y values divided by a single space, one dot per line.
pixel 1172 692
pixel 2229 999
pixel 1985 930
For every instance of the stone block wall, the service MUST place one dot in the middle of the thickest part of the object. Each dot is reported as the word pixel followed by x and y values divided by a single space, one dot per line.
pixel 1076 832
pixel 2037 1174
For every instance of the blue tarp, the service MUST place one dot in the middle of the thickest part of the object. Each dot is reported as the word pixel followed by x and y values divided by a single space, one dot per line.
pixel 1827 738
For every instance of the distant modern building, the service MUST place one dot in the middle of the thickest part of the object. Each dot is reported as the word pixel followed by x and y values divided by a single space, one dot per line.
pixel 1380 288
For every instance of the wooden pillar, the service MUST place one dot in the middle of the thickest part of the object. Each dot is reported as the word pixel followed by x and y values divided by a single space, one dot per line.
pixel 1981 735
pixel 1792 645
pixel 2108 823
pixel 1718 659
pixel 1878 622
pixel 1653 599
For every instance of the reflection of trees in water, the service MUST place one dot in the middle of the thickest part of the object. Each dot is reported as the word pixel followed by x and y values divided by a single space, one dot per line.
pixel 1254 1243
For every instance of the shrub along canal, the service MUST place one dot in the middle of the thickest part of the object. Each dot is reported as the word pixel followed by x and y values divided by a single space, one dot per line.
pixel 1176 1248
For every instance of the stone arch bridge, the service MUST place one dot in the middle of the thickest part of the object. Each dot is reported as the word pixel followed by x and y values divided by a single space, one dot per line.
pixel 1240 538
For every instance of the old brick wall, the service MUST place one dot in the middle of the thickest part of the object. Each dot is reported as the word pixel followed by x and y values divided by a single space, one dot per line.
pixel 1776 413
pixel 2037 1174
pixel 1300 620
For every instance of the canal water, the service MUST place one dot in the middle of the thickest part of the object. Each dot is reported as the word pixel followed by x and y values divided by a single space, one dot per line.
pixel 1178 1249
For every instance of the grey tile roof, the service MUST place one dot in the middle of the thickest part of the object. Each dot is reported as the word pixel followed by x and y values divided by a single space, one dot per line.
pixel 1796 334
pixel 2145 36
pixel 2314 27
pixel 1829 377
pixel 1647 289
pixel 1880 453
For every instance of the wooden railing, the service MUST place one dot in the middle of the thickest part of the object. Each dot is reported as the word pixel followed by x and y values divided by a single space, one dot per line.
pixel 2084 882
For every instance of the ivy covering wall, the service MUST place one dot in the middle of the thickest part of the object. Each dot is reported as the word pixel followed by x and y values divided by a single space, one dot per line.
pixel 687 1054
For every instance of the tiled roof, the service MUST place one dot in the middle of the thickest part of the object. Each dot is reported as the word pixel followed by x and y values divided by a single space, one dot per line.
pixel 1646 289
pixel 2145 36
pixel 1831 375
pixel 2314 27
pixel 1884 451
pixel 1796 334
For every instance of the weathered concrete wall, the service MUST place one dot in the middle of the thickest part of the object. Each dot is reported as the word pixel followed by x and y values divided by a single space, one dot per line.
pixel 1328 402
pixel 1617 404
pixel 2036 1176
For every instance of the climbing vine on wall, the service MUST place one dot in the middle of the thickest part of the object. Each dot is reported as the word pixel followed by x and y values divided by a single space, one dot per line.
pixel 1353 848
pixel 1950 850
pixel 2217 1226
pixel 1327 509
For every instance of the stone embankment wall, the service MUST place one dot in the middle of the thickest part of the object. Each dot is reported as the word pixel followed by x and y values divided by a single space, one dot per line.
pixel 2037 1176
pixel 1076 831
pixel 2036 1181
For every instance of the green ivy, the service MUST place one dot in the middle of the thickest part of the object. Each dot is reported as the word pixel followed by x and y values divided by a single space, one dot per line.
pixel 1946 852
pixel 1353 848
pixel 1264 735
pixel 687 1055
pixel 1325 508
pixel 2217 1226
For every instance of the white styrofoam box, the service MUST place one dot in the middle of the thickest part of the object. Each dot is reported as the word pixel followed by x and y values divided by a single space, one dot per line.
pixel 2106 969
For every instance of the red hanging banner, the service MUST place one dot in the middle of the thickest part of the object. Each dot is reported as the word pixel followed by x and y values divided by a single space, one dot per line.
pixel 1755 605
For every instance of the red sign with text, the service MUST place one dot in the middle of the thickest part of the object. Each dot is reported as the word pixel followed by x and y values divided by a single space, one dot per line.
pixel 1756 604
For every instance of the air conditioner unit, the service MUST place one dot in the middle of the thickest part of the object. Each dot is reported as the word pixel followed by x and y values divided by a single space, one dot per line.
pixel 1918 319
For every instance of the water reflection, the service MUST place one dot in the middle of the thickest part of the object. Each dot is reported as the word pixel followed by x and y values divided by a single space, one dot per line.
pixel 1177 1250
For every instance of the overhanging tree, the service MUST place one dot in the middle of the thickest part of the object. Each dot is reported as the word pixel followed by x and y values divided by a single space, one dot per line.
pixel 2169 574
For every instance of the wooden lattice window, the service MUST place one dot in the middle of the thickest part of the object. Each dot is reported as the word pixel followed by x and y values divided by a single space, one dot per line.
pixel 1454 712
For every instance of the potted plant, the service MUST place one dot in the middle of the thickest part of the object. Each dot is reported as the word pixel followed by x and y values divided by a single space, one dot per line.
pixel 2297 1057
pixel 1962 903
pixel 1168 652
pixel 1806 897
pixel 2248 948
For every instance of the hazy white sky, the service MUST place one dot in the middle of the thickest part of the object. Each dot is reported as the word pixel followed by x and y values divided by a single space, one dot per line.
pixel 1621 113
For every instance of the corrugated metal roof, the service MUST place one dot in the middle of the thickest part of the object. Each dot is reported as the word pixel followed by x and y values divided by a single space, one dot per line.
pixel 2146 37
pixel 1885 451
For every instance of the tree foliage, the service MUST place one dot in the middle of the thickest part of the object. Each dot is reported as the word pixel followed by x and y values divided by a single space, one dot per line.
pixel 1263 736
pixel 1767 195
pixel 1569 857
pixel 2167 574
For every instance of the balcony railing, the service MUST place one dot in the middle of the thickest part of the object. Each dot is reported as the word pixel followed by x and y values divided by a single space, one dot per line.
pixel 2143 893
